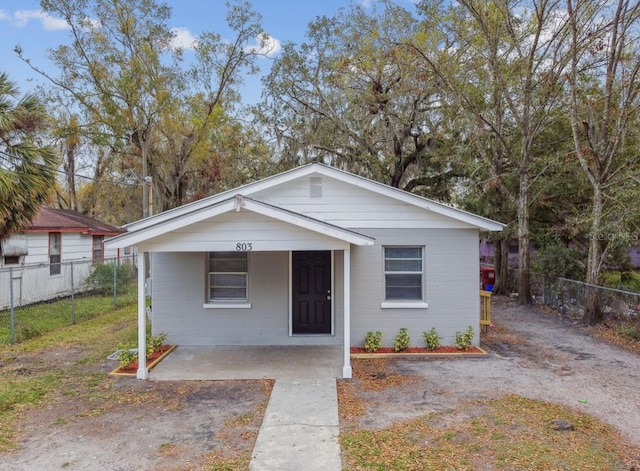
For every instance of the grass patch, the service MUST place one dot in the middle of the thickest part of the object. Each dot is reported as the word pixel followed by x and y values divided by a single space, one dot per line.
pixel 39 319
pixel 31 375
pixel 623 280
pixel 508 433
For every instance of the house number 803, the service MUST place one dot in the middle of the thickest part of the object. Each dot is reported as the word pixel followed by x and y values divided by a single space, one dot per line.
pixel 244 247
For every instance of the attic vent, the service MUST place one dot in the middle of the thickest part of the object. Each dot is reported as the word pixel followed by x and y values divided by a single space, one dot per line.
pixel 315 187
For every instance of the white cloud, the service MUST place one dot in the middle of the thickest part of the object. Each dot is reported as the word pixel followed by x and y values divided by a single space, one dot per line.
pixel 265 45
pixel 49 23
pixel 182 38
pixel 3 15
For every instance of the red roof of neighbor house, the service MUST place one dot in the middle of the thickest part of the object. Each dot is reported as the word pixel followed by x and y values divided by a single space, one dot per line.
pixel 65 220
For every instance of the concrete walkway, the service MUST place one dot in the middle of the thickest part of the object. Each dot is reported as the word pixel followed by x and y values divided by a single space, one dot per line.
pixel 300 428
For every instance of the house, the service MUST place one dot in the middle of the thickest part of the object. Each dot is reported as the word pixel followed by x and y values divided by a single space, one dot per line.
pixel 39 260
pixel 487 251
pixel 311 256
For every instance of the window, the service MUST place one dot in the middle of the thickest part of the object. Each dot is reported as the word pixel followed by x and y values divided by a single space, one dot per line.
pixel 55 251
pixel 403 273
pixel 228 276
pixel 12 260
pixel 98 249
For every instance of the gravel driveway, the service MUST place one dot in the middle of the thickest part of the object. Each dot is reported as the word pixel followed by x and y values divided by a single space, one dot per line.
pixel 533 354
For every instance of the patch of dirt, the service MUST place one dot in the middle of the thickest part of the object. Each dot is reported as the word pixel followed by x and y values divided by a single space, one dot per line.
pixel 143 425
pixel 534 353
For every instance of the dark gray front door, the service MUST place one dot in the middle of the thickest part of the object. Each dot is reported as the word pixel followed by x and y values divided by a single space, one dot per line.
pixel 311 292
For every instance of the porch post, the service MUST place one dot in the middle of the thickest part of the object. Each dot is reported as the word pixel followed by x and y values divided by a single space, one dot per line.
pixel 142 372
pixel 346 367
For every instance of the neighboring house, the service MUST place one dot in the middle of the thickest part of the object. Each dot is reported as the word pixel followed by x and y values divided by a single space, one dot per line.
pixel 36 259
pixel 487 251
pixel 312 256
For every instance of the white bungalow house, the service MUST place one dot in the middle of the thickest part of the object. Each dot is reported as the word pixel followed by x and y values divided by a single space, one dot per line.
pixel 311 256
pixel 57 249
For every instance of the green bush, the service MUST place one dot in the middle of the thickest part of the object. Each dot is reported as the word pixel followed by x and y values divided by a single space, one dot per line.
pixel 372 341
pixel 127 354
pixel 402 340
pixel 629 331
pixel 554 259
pixel 155 342
pixel 101 278
pixel 463 339
pixel 431 339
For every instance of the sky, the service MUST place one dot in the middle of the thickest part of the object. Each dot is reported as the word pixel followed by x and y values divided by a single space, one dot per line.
pixel 23 23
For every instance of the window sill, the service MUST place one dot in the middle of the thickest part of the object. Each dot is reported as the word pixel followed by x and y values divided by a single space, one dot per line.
pixel 227 306
pixel 404 305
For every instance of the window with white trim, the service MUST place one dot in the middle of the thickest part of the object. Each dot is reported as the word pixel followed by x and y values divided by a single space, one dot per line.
pixel 228 276
pixel 403 273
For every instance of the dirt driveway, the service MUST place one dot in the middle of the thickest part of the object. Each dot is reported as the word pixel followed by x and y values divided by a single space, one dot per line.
pixel 181 425
pixel 535 354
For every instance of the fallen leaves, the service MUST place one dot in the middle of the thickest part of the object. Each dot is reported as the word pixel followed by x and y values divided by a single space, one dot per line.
pixel 512 432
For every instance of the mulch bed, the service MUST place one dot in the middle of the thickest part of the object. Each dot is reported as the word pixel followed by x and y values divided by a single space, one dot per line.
pixel 445 349
pixel 152 360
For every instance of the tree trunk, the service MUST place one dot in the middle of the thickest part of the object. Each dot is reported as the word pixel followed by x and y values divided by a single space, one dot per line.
pixel 144 148
pixel 70 168
pixel 501 264
pixel 593 312
pixel 524 269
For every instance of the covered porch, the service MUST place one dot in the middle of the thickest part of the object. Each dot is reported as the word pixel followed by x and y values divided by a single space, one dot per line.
pixel 276 243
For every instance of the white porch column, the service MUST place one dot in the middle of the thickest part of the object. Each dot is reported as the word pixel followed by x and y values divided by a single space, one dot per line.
pixel 346 367
pixel 142 372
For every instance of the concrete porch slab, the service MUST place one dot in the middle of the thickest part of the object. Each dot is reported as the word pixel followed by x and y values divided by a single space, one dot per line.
pixel 250 362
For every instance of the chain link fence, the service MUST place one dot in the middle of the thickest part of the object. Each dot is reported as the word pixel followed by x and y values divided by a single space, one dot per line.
pixel 569 297
pixel 40 297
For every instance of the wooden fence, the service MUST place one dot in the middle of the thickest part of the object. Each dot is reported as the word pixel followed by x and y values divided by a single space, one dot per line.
pixel 485 311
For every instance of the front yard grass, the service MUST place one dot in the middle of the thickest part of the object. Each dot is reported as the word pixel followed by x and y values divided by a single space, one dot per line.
pixel 40 376
pixel 41 318
pixel 508 433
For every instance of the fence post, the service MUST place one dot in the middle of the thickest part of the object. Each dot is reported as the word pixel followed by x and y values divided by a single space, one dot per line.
pixel 13 314
pixel 73 299
pixel 115 284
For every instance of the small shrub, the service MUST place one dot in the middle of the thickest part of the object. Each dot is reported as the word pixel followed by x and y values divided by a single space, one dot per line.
pixel 463 339
pixel 628 331
pixel 431 339
pixel 402 340
pixel 155 342
pixel 26 332
pixel 372 341
pixel 101 278
pixel 126 354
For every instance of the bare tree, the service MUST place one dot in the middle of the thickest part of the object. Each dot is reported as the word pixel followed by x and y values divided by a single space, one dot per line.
pixel 603 87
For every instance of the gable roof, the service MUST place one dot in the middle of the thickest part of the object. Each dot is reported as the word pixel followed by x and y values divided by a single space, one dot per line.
pixel 239 203
pixel 240 199
pixel 65 220
pixel 315 168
